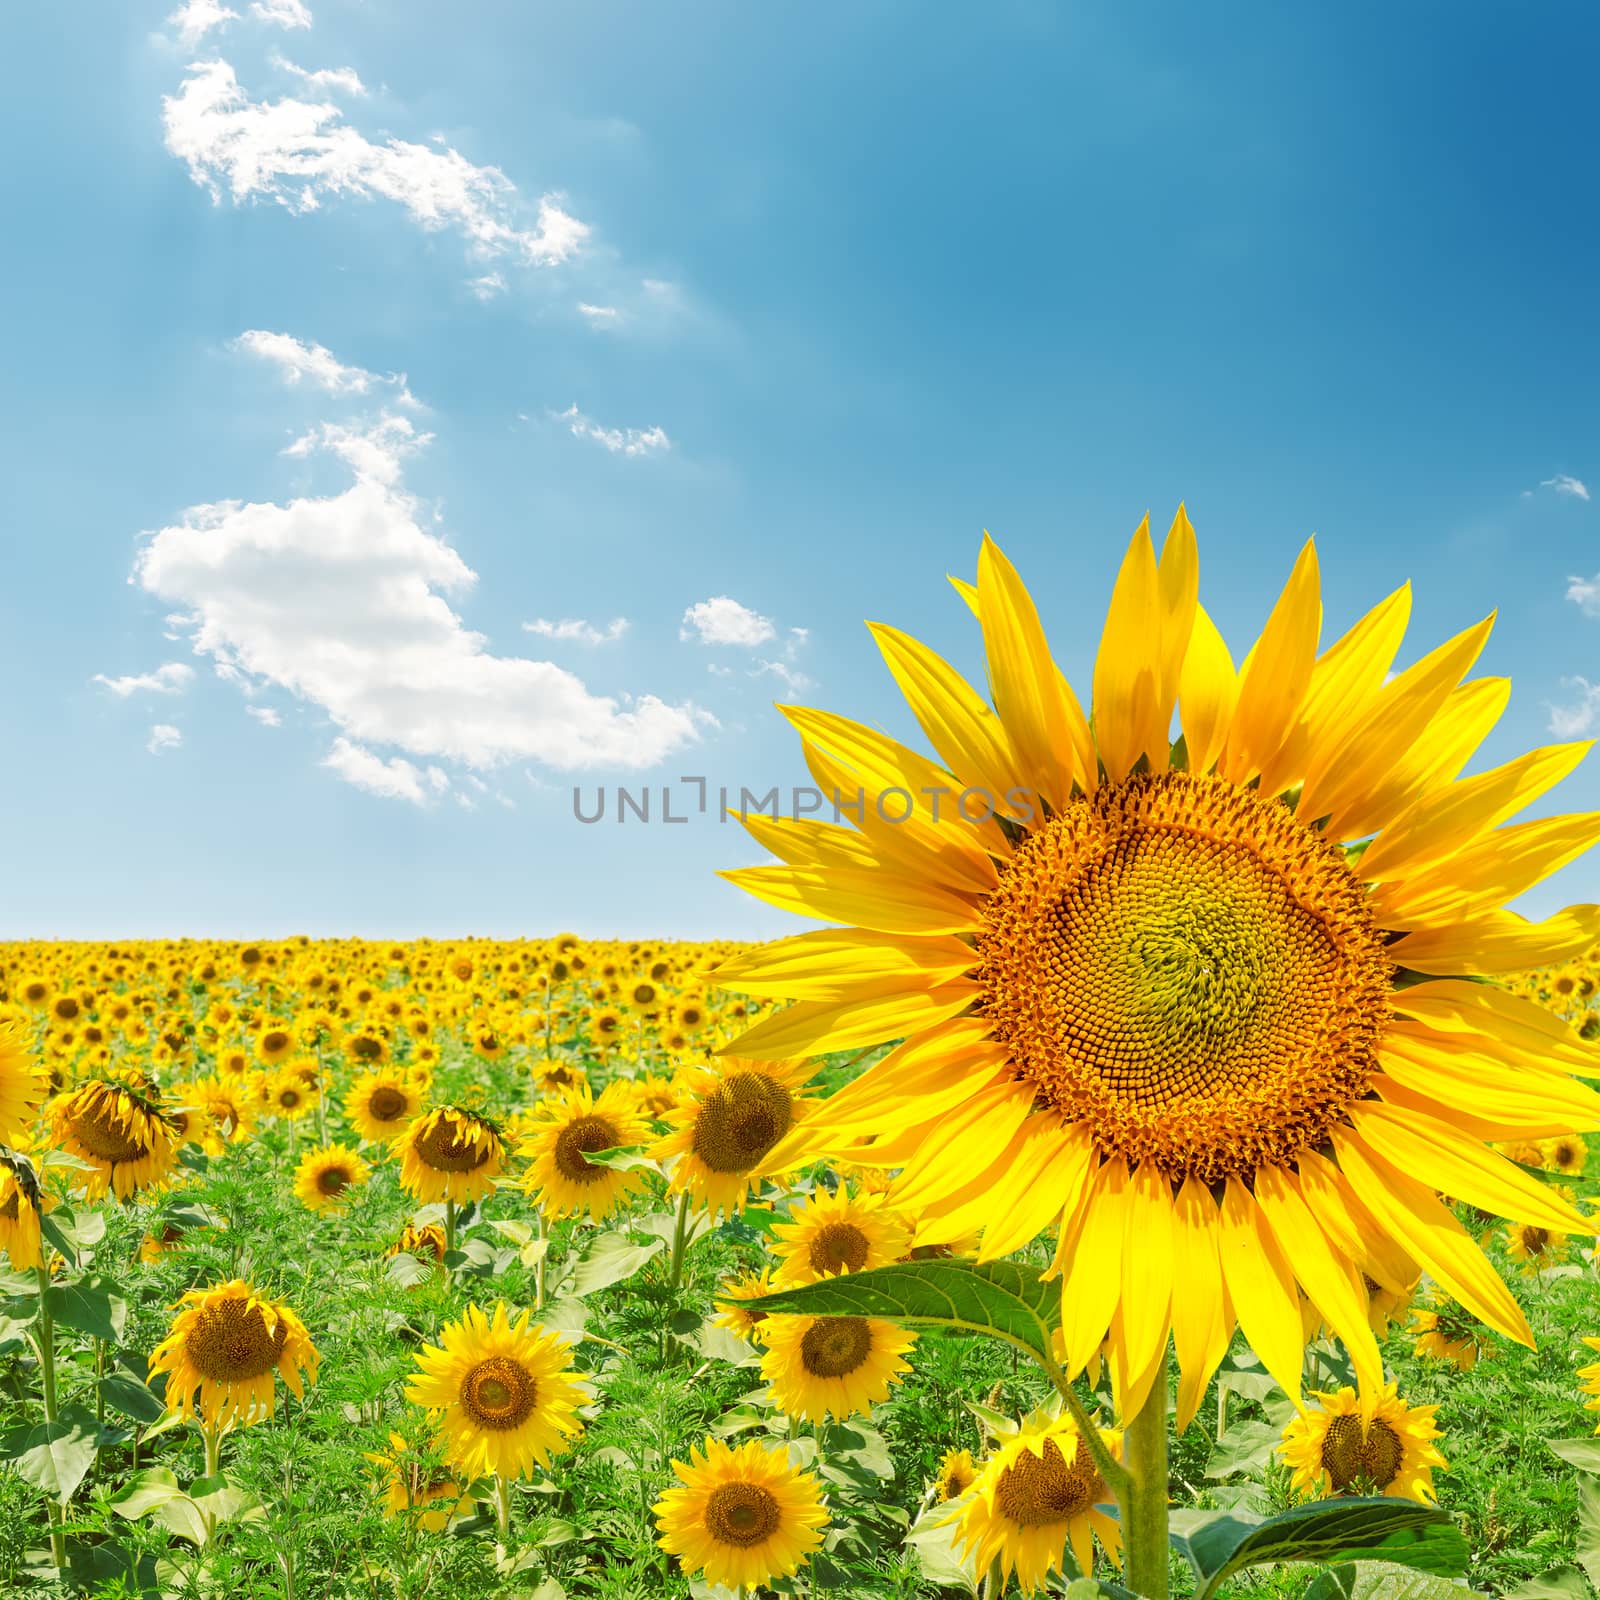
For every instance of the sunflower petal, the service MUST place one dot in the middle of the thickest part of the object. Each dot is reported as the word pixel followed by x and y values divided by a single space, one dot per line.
pixel 1261 1286
pixel 1208 688
pixel 833 963
pixel 1202 1327
pixel 815 1027
pixel 1092 1281
pixel 1498 942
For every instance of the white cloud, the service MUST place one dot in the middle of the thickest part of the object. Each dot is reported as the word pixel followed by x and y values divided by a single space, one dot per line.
pixel 722 620
pixel 1578 718
pixel 341 600
pixel 300 153
pixel 172 678
pixel 627 441
pixel 296 359
pixel 265 715
pixel 791 678
pixel 163 736
pixel 395 779
pixel 342 80
pixel 599 316
pixel 1585 594
pixel 1564 483
pixel 488 286
pixel 196 18
pixel 285 13
pixel 573 628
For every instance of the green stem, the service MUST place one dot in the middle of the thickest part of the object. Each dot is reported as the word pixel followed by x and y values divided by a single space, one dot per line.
pixel 679 1234
pixel 538 1266
pixel 1144 1502
pixel 994 1584
pixel 502 1512
pixel 47 1372
pixel 449 1232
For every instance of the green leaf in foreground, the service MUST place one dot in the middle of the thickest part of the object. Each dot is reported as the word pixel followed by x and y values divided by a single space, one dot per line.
pixel 1375 1527
pixel 1381 1580
pixel 54 1456
pixel 1562 1583
pixel 1582 1453
pixel 1003 1299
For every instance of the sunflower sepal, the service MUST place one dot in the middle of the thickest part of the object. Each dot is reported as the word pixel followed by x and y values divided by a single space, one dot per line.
pixel 1365 1528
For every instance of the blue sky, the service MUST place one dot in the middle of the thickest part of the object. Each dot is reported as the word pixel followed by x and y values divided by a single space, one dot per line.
pixel 358 335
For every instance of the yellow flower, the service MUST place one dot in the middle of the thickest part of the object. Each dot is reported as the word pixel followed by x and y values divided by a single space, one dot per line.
pixel 1589 1378
pixel 1534 1246
pixel 1036 1494
pixel 285 1093
pixel 1207 994
pixel 566 1130
pixel 20 1206
pixel 832 1366
pixel 323 1179
pixel 741 1516
pixel 833 1233
pixel 449 1154
pixel 428 1240
pixel 1376 1444
pixel 122 1130
pixel 957 1473
pixel 224 1346
pixel 380 1104
pixel 275 1045
pixel 1565 1153
pixel 1448 1333
pixel 748 1286
pixel 417 1487
pixel 500 1393
pixel 22 1083
pixel 729 1119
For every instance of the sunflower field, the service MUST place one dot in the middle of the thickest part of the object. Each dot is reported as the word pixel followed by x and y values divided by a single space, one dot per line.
pixel 1170 1181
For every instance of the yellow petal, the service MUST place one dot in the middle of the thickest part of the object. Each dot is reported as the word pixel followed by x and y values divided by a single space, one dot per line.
pixel 968 592
pixel 1261 1286
pixel 1351 1228
pixel 1277 674
pixel 834 963
pixel 1127 670
pixel 1180 599
pixel 1498 941
pixel 1202 1323
pixel 964 1145
pixel 1146 1305
pixel 803 842
pixel 1208 687
pixel 1092 1281
pixel 1507 1025
pixel 1525 1103
pixel 815 1027
pixel 1052 1189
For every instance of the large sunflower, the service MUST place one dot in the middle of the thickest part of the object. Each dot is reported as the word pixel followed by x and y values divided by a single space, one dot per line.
pixel 838 1366
pixel 224 1346
pixel 22 1083
pixel 741 1515
pixel 1204 996
pixel 566 1130
pixel 449 1154
pixel 121 1130
pixel 1037 1493
pixel 1372 1444
pixel 500 1392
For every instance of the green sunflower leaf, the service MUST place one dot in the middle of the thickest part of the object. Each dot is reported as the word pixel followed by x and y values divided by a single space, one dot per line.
pixel 1004 1299
pixel 54 1457
pixel 1560 1583
pixel 1582 1453
pixel 1381 1580
pixel 1378 1527
pixel 91 1304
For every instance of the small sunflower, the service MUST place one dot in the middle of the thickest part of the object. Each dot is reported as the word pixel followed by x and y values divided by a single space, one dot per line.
pixel 1566 1153
pixel 734 1316
pixel 286 1093
pixel 275 1045
pixel 1534 1246
pixel 224 1346
pixel 161 1238
pixel 366 1047
pixel 957 1473
pixel 730 1117
pixel 20 1207
pixel 834 1233
pixel 122 1130
pixel 555 1076
pixel 741 1516
pixel 22 1083
pixel 1039 1492
pixel 415 1486
pixel 838 1366
pixel 379 1104
pixel 230 1111
pixel 1589 1379
pixel 1385 1306
pixel 1374 1444
pixel 567 1130
pixel 1449 1333
pixel 324 1178
pixel 449 1154
pixel 426 1241
pixel 501 1393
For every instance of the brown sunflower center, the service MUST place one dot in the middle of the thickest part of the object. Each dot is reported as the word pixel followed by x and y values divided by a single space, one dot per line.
pixel 742 1514
pixel 1188 970
pixel 230 1343
pixel 331 1180
pixel 499 1393
pixel 585 1137
pixel 1038 1490
pixel 955 1481
pixel 839 1247
pixel 97 1128
pixel 833 1347
pixel 447 1147
pixel 1357 1458
pixel 386 1104
pixel 741 1120
pixel 365 1048
pixel 1535 1240
pixel 275 1042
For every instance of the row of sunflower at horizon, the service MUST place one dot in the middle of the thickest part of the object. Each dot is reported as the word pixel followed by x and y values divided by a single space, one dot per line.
pixel 131 1073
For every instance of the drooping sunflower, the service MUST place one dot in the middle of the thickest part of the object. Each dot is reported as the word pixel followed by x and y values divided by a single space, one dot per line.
pixel 20 1207
pixel 500 1392
pixel 833 1233
pixel 1374 1444
pixel 23 1084
pixel 224 1346
pixel 1037 1493
pixel 568 1128
pixel 957 1473
pixel 741 1516
pixel 380 1104
pixel 324 1178
pixel 1205 994
pixel 728 1119
pixel 449 1154
pixel 1565 1153
pixel 832 1366
pixel 121 1130
pixel 1589 1380
pixel 415 1486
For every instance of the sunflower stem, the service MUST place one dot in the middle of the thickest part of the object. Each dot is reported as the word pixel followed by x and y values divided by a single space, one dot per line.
pixel 994 1582
pixel 47 1373
pixel 538 1266
pixel 502 1506
pixel 679 1234
pixel 449 1234
pixel 1143 1502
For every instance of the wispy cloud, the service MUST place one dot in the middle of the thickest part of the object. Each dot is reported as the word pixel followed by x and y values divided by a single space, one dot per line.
pixel 599 316
pixel 196 18
pixel 163 736
pixel 620 441
pixel 722 620
pixel 1578 716
pixel 265 715
pixel 284 13
pixel 488 286
pixel 295 359
pixel 172 678
pixel 300 154
pixel 574 629
pixel 343 80
pixel 1585 594
pixel 1564 483
pixel 394 779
